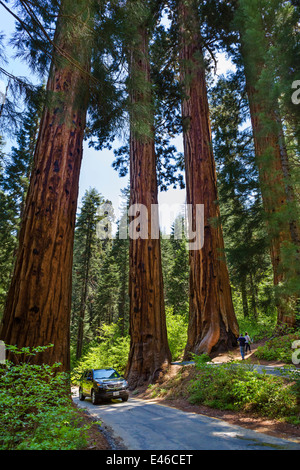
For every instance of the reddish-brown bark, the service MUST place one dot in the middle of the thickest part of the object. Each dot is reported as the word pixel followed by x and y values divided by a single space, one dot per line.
pixel 149 350
pixel 212 322
pixel 272 184
pixel 271 158
pixel 37 311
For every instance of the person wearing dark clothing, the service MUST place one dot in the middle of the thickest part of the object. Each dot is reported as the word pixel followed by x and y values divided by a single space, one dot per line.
pixel 242 342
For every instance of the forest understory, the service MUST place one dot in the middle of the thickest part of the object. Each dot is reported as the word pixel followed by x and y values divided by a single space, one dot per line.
pixel 178 397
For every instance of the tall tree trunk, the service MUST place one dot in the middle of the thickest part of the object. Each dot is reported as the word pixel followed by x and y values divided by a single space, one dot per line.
pixel 270 151
pixel 149 350
pixel 123 293
pixel 244 297
pixel 289 190
pixel 253 297
pixel 212 323
pixel 38 306
pixel 272 184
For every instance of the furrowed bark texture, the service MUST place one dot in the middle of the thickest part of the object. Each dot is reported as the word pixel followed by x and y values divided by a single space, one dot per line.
pixel 273 193
pixel 212 322
pixel 149 350
pixel 272 160
pixel 274 178
pixel 38 305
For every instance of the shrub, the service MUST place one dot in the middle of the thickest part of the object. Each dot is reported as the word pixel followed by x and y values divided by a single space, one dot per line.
pixel 278 348
pixel 177 333
pixel 35 408
pixel 260 329
pixel 234 387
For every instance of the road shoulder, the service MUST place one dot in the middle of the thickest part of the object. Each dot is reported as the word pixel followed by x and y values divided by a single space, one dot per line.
pixel 179 400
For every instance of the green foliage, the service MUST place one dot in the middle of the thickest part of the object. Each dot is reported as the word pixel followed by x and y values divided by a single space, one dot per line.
pixel 232 387
pixel 35 407
pixel 175 261
pixel 264 327
pixel 113 347
pixel 7 233
pixel 112 351
pixel 100 271
pixel 108 292
pixel 177 326
pixel 86 263
pixel 278 349
pixel 270 47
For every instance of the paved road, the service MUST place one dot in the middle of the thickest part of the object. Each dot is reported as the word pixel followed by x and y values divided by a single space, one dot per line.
pixel 148 426
pixel 280 371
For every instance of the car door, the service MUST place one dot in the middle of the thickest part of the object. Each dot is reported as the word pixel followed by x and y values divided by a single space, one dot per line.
pixel 88 382
pixel 85 388
pixel 83 381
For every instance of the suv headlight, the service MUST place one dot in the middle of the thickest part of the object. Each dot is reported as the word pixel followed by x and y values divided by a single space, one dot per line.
pixel 125 384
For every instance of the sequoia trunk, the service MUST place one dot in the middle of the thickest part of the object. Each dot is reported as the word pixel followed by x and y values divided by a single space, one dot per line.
pixel 212 322
pixel 37 311
pixel 149 350
pixel 272 186
pixel 271 156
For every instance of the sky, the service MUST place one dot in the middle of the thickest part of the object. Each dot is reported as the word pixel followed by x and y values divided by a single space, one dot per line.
pixel 96 170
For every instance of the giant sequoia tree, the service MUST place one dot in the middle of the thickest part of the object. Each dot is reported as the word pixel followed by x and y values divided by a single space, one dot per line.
pixel 149 350
pixel 212 324
pixel 272 159
pixel 261 38
pixel 239 192
pixel 38 305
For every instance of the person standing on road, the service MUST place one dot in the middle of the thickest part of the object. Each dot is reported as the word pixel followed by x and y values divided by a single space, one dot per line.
pixel 242 342
pixel 247 343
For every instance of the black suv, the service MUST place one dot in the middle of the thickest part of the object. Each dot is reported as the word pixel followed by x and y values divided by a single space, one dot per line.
pixel 101 384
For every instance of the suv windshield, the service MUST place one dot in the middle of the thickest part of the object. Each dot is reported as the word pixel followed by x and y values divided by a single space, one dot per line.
pixel 106 374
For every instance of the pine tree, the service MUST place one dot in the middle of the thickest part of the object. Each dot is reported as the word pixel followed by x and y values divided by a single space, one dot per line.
pixel 175 261
pixel 178 285
pixel 120 250
pixel 85 246
pixel 108 289
pixel 7 233
pixel 254 21
pixel 33 42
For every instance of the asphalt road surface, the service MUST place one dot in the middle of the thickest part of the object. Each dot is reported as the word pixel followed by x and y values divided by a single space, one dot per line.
pixel 142 425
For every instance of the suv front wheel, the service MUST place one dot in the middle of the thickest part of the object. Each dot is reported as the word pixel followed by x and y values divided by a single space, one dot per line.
pixel 81 396
pixel 95 400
